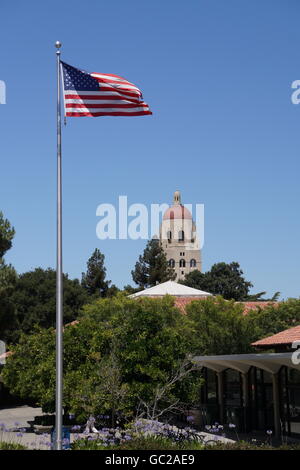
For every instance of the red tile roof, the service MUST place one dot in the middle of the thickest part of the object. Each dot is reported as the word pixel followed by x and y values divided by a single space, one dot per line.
pixel 255 305
pixel 285 337
pixel 182 302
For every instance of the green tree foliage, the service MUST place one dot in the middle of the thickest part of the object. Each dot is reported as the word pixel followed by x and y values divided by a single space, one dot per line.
pixel 131 345
pixel 122 351
pixel 128 289
pixel 7 233
pixel 223 279
pixel 219 327
pixel 274 318
pixel 34 298
pixel 226 280
pixel 8 319
pixel 93 281
pixel 152 267
pixel 8 278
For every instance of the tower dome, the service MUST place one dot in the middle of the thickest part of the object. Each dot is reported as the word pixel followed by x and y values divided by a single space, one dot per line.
pixel 177 210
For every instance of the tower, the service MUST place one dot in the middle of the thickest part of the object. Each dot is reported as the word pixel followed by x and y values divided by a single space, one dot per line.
pixel 179 240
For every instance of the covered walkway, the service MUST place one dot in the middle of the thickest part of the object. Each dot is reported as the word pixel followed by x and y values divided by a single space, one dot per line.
pixel 253 391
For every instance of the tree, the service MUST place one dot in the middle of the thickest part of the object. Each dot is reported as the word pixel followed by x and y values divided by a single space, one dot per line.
pixel 8 319
pixel 153 410
pixel 274 318
pixel 258 297
pixel 121 351
pixel 226 280
pixel 93 281
pixel 8 277
pixel 34 298
pixel 223 279
pixel 7 233
pixel 128 289
pixel 152 267
pixel 220 327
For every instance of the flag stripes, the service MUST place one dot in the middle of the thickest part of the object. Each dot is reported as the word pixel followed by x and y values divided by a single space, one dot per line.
pixel 95 94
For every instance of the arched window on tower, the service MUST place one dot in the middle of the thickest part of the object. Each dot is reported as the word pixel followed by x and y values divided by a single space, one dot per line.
pixel 181 236
pixel 193 263
pixel 169 235
pixel 172 263
pixel 182 263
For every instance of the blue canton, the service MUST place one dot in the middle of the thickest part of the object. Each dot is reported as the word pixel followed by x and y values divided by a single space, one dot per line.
pixel 75 79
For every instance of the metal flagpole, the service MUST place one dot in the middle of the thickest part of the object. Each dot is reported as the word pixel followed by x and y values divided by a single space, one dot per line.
pixel 59 279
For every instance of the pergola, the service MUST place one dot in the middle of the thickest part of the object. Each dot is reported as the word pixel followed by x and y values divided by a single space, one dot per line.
pixel 242 362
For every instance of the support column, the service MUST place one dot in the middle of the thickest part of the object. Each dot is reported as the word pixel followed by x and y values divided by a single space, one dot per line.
pixel 277 425
pixel 220 376
pixel 245 384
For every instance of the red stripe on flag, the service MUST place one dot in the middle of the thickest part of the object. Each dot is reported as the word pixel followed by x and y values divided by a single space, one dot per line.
pixel 97 97
pixel 138 113
pixel 104 105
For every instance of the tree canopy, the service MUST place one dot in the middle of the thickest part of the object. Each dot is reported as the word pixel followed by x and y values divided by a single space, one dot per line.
pixel 274 318
pixel 7 233
pixel 135 344
pixel 122 350
pixel 152 267
pixel 93 281
pixel 220 327
pixel 34 298
pixel 223 279
pixel 8 277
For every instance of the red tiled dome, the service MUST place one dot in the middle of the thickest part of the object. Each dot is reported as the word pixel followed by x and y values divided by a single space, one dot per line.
pixel 177 212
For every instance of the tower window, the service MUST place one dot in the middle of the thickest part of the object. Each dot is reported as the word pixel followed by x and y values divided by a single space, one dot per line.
pixel 172 263
pixel 181 236
pixel 169 235
pixel 182 263
pixel 193 263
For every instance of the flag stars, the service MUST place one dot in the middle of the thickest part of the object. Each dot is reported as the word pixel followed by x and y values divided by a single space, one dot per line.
pixel 77 79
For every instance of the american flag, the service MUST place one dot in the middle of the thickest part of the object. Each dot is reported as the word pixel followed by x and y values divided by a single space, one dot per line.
pixel 100 94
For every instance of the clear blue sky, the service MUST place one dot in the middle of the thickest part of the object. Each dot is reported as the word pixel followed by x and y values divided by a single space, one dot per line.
pixel 217 76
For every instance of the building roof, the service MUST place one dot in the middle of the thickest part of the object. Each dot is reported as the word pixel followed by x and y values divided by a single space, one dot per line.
pixel 286 337
pixel 242 362
pixel 172 288
pixel 248 306
pixel 177 211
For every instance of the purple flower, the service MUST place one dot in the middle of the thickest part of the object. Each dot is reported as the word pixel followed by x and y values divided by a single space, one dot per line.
pixel 76 428
pixel 190 419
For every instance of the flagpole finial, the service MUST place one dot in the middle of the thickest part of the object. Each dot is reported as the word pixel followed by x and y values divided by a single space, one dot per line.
pixel 58 45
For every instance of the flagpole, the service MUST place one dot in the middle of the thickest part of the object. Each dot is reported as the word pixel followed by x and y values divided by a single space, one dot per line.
pixel 59 278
